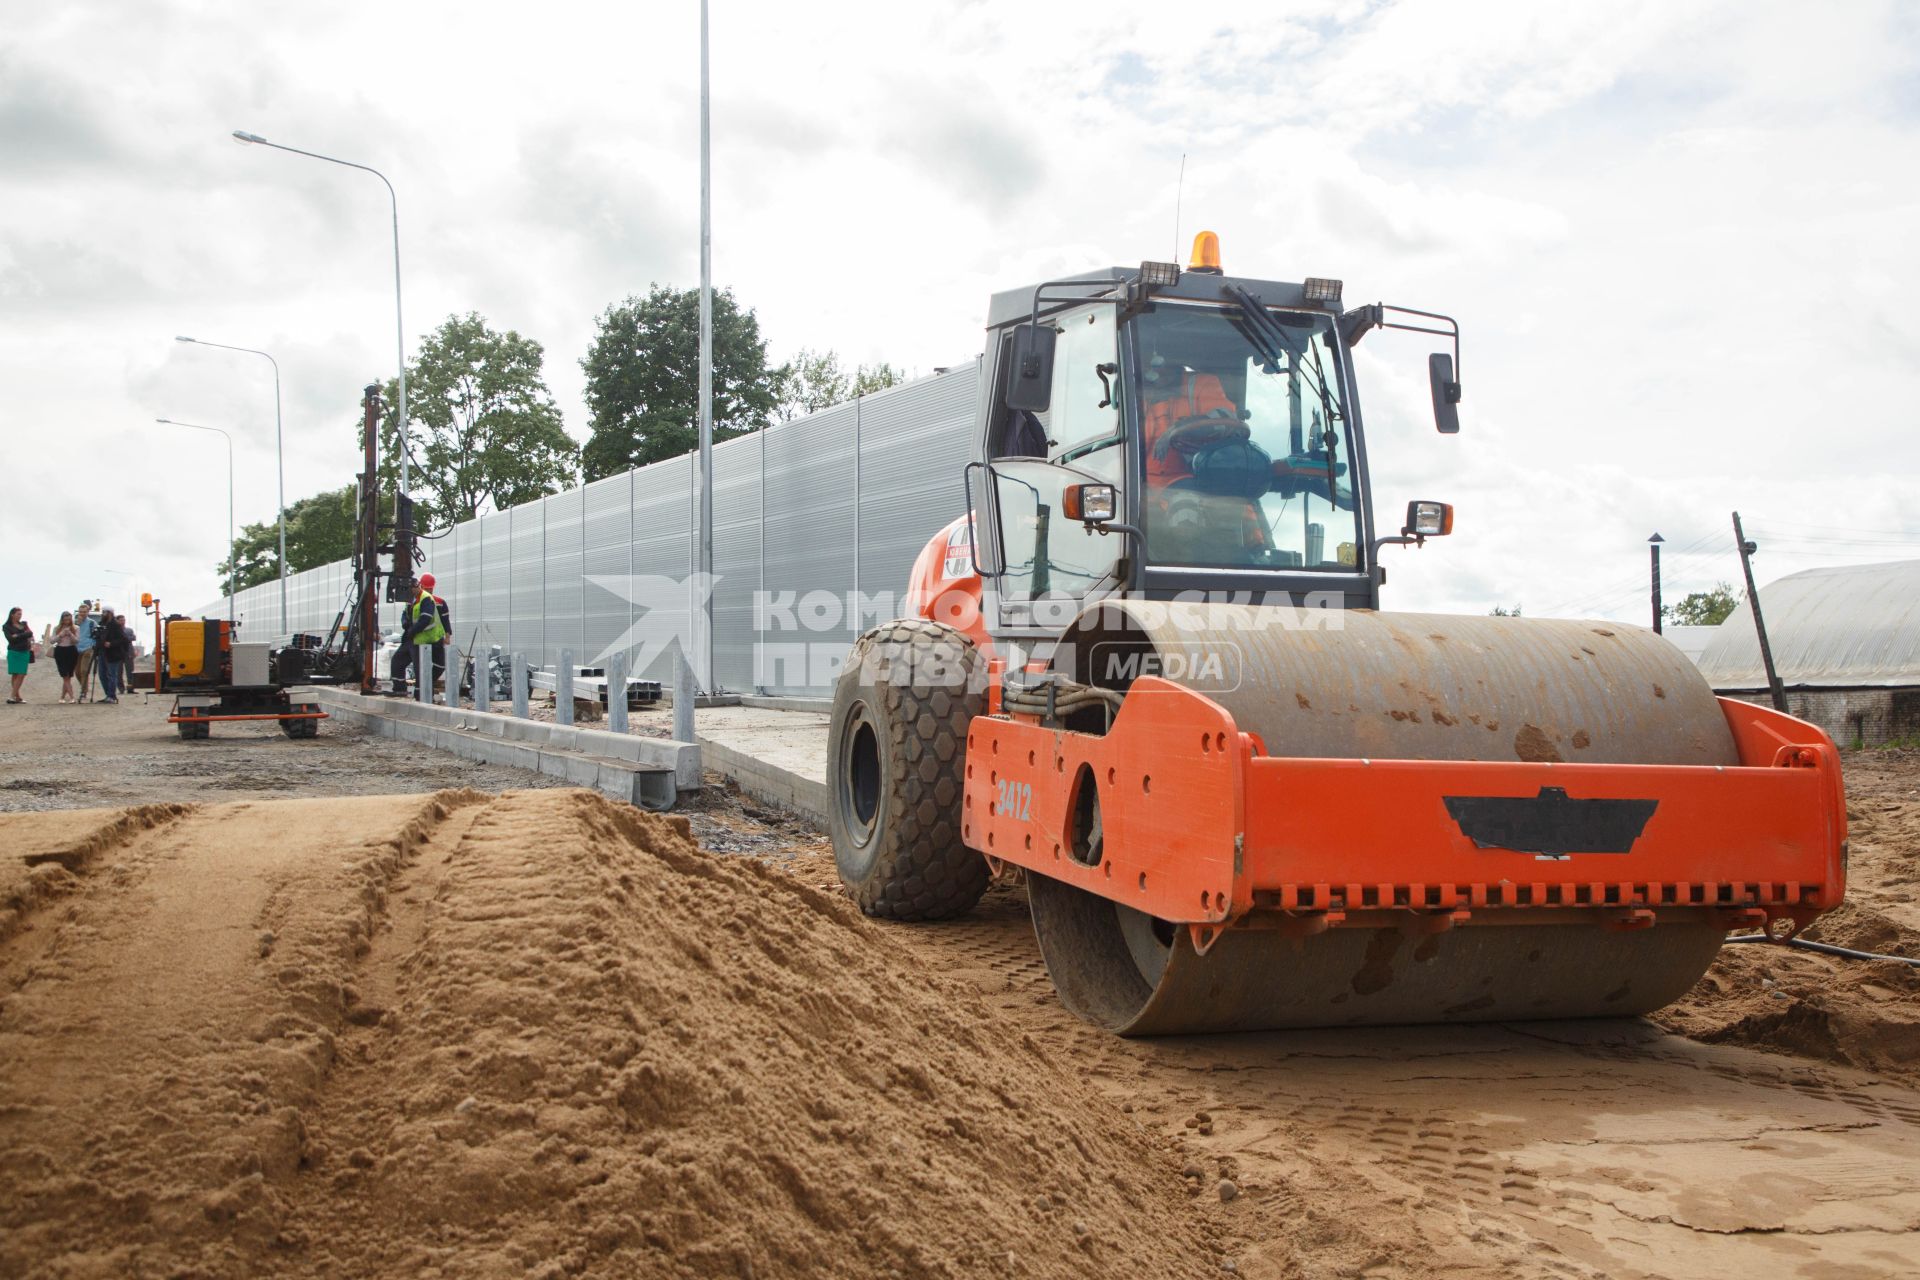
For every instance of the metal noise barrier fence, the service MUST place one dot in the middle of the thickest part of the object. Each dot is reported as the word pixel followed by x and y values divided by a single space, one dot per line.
pixel 816 523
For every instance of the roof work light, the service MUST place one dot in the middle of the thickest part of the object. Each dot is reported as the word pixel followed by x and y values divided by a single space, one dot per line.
pixel 1155 275
pixel 1320 290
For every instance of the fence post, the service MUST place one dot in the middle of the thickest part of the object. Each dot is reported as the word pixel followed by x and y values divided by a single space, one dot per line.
pixel 423 673
pixel 520 685
pixel 563 689
pixel 453 673
pixel 617 693
pixel 683 696
pixel 483 681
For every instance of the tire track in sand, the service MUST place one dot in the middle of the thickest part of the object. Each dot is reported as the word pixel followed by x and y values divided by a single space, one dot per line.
pixel 50 854
pixel 160 1037
pixel 1561 1149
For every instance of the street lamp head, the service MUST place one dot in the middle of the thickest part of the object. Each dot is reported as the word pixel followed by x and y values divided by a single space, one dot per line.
pixel 241 135
pixel 183 338
pixel 168 421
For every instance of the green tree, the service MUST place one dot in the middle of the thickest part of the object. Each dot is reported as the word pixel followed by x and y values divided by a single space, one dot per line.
pixel 869 378
pixel 319 531
pixel 1702 608
pixel 484 432
pixel 643 378
pixel 1501 611
pixel 808 383
pixel 813 381
pixel 257 551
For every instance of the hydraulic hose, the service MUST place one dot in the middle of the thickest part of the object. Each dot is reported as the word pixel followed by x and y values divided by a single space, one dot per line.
pixel 1068 696
pixel 1824 948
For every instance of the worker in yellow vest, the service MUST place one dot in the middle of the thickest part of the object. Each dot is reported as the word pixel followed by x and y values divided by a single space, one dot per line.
pixel 427 623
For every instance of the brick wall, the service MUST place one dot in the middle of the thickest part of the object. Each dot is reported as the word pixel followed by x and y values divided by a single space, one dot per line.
pixel 1863 717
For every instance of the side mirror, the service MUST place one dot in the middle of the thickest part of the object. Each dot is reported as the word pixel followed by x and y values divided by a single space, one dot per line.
pixel 1446 393
pixel 1428 519
pixel 1090 503
pixel 1030 380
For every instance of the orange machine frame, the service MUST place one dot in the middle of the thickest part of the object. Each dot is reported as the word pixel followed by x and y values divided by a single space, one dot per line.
pixel 1205 829
pixel 188 717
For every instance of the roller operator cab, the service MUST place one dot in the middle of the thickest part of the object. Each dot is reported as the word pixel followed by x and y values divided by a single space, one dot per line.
pixel 1161 433
pixel 1149 671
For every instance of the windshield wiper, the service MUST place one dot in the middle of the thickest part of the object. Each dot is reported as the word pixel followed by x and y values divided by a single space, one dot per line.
pixel 1330 436
pixel 1268 337
pixel 1260 331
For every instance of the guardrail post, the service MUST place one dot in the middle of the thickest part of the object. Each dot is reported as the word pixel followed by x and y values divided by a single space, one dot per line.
pixel 682 697
pixel 423 673
pixel 520 685
pixel 563 689
pixel 617 693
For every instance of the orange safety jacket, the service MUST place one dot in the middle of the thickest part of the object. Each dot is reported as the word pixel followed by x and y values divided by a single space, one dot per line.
pixel 1201 393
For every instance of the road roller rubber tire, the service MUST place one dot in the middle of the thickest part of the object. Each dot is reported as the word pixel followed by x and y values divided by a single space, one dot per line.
pixel 896 756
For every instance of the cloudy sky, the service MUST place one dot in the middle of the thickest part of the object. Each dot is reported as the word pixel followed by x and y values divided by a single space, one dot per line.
pixel 1679 238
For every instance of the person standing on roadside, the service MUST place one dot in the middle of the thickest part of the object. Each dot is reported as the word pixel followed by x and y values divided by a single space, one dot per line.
pixel 19 634
pixel 87 625
pixel 428 623
pixel 110 646
pixel 66 654
pixel 133 643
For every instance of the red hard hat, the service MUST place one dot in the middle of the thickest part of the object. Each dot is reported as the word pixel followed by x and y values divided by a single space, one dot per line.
pixel 426 581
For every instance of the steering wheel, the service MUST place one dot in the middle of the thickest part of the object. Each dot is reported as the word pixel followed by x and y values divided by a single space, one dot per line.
pixel 1200 431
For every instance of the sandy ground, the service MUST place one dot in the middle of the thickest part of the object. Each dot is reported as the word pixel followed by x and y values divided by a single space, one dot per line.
pixel 91 755
pixel 536 1033
pixel 1861 1013
pixel 1750 1141
pixel 55 756
pixel 460 1033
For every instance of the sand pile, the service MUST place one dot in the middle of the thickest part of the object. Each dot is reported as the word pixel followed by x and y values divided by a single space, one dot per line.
pixel 1861 1013
pixel 47 853
pixel 612 1052
pixel 165 1018
pixel 533 1034
pixel 1857 1012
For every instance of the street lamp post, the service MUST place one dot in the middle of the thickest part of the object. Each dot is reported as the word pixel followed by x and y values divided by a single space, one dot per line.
pixel 703 620
pixel 399 326
pixel 130 577
pixel 280 447
pixel 232 556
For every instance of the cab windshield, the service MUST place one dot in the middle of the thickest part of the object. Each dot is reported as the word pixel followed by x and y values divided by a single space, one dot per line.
pixel 1245 438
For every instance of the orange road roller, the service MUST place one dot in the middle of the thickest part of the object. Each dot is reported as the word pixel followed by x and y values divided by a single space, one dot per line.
pixel 1149 673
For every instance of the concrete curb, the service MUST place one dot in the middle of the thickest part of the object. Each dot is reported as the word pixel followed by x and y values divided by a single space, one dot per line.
pixel 822 705
pixel 648 772
pixel 768 783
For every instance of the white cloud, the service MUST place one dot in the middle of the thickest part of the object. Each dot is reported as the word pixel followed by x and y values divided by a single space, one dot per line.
pixel 1677 236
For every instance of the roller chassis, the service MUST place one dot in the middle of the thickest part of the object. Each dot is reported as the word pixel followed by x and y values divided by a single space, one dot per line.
pixel 1194 823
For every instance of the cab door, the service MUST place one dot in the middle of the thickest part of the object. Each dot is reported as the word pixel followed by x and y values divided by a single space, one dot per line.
pixel 1050 566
